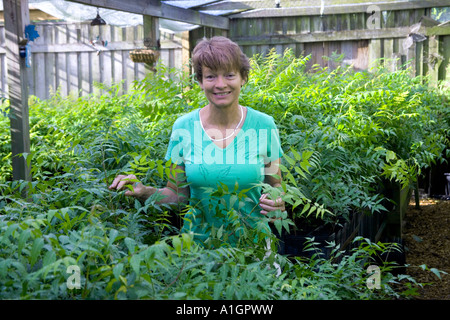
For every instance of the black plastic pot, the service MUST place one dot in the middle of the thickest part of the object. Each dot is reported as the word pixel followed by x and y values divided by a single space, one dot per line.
pixel 306 243
pixel 447 186
pixel 342 233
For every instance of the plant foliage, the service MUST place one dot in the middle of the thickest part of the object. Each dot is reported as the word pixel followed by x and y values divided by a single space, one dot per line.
pixel 342 132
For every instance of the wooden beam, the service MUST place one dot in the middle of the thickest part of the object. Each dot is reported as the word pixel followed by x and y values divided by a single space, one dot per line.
pixel 158 9
pixel 87 47
pixel 440 30
pixel 16 18
pixel 308 8
pixel 346 35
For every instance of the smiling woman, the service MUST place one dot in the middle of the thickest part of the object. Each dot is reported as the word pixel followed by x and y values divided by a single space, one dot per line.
pixel 222 143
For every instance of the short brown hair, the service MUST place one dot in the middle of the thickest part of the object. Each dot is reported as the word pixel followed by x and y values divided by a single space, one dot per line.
pixel 219 53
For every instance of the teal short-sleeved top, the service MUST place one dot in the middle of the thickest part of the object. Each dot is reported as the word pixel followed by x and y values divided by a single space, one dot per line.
pixel 207 166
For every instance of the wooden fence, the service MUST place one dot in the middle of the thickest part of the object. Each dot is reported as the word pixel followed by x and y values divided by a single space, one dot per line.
pixel 71 57
pixel 362 34
pixel 64 57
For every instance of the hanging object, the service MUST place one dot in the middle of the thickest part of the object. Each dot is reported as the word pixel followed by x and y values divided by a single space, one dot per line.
pixel 31 32
pixel 144 55
pixel 24 46
pixel 99 41
pixel 98 20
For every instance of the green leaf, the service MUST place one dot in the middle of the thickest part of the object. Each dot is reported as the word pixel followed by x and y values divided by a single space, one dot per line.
pixel 23 239
pixel 297 156
pixel 390 155
pixel 177 244
pixel 289 159
pixel 179 295
pixel 36 249
pixel 218 289
pixel 117 270
pixel 135 263
pixel 437 272
pixel 131 244
pixel 278 225
pixel 112 236
pixel 187 240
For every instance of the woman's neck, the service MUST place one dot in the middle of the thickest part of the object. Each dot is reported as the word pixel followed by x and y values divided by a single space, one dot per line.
pixel 221 118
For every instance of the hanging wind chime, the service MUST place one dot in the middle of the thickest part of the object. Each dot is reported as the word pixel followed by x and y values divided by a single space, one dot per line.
pixel 98 21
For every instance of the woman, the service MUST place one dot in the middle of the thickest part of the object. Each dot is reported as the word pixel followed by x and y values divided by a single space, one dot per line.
pixel 222 143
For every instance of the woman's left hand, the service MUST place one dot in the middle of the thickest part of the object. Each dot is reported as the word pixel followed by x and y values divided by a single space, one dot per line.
pixel 268 205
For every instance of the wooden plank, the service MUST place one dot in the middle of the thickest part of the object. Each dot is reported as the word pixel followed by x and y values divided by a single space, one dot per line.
pixel 306 25
pixel 332 24
pixel 16 18
pixel 388 54
pixel 95 71
pixel 158 9
pixel 82 47
pixel 3 76
pixel 61 71
pixel 439 30
pixel 116 61
pixel 316 24
pixel 178 59
pixel 127 70
pixel 348 51
pixel 354 21
pixel 3 68
pixel 50 75
pixel 345 22
pixel 317 50
pixel 105 57
pixel 374 53
pixel 308 49
pixel 333 47
pixel 185 51
pixel 362 55
pixel 40 88
pixel 72 60
pixel 388 19
pixel 402 18
pixel 291 26
pixel 418 59
pixel 72 32
pixel 84 73
pixel 325 36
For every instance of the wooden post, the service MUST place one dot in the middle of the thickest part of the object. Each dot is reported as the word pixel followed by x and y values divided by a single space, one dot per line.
pixel 434 59
pixel 446 63
pixel 16 18
pixel 185 52
pixel 151 36
pixel 374 53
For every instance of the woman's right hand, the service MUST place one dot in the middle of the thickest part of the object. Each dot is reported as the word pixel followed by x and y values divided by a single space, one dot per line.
pixel 138 190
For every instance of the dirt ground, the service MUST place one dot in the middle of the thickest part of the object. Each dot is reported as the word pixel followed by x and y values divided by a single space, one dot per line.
pixel 426 235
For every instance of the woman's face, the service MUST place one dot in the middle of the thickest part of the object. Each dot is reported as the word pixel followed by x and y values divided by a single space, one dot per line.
pixel 222 88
